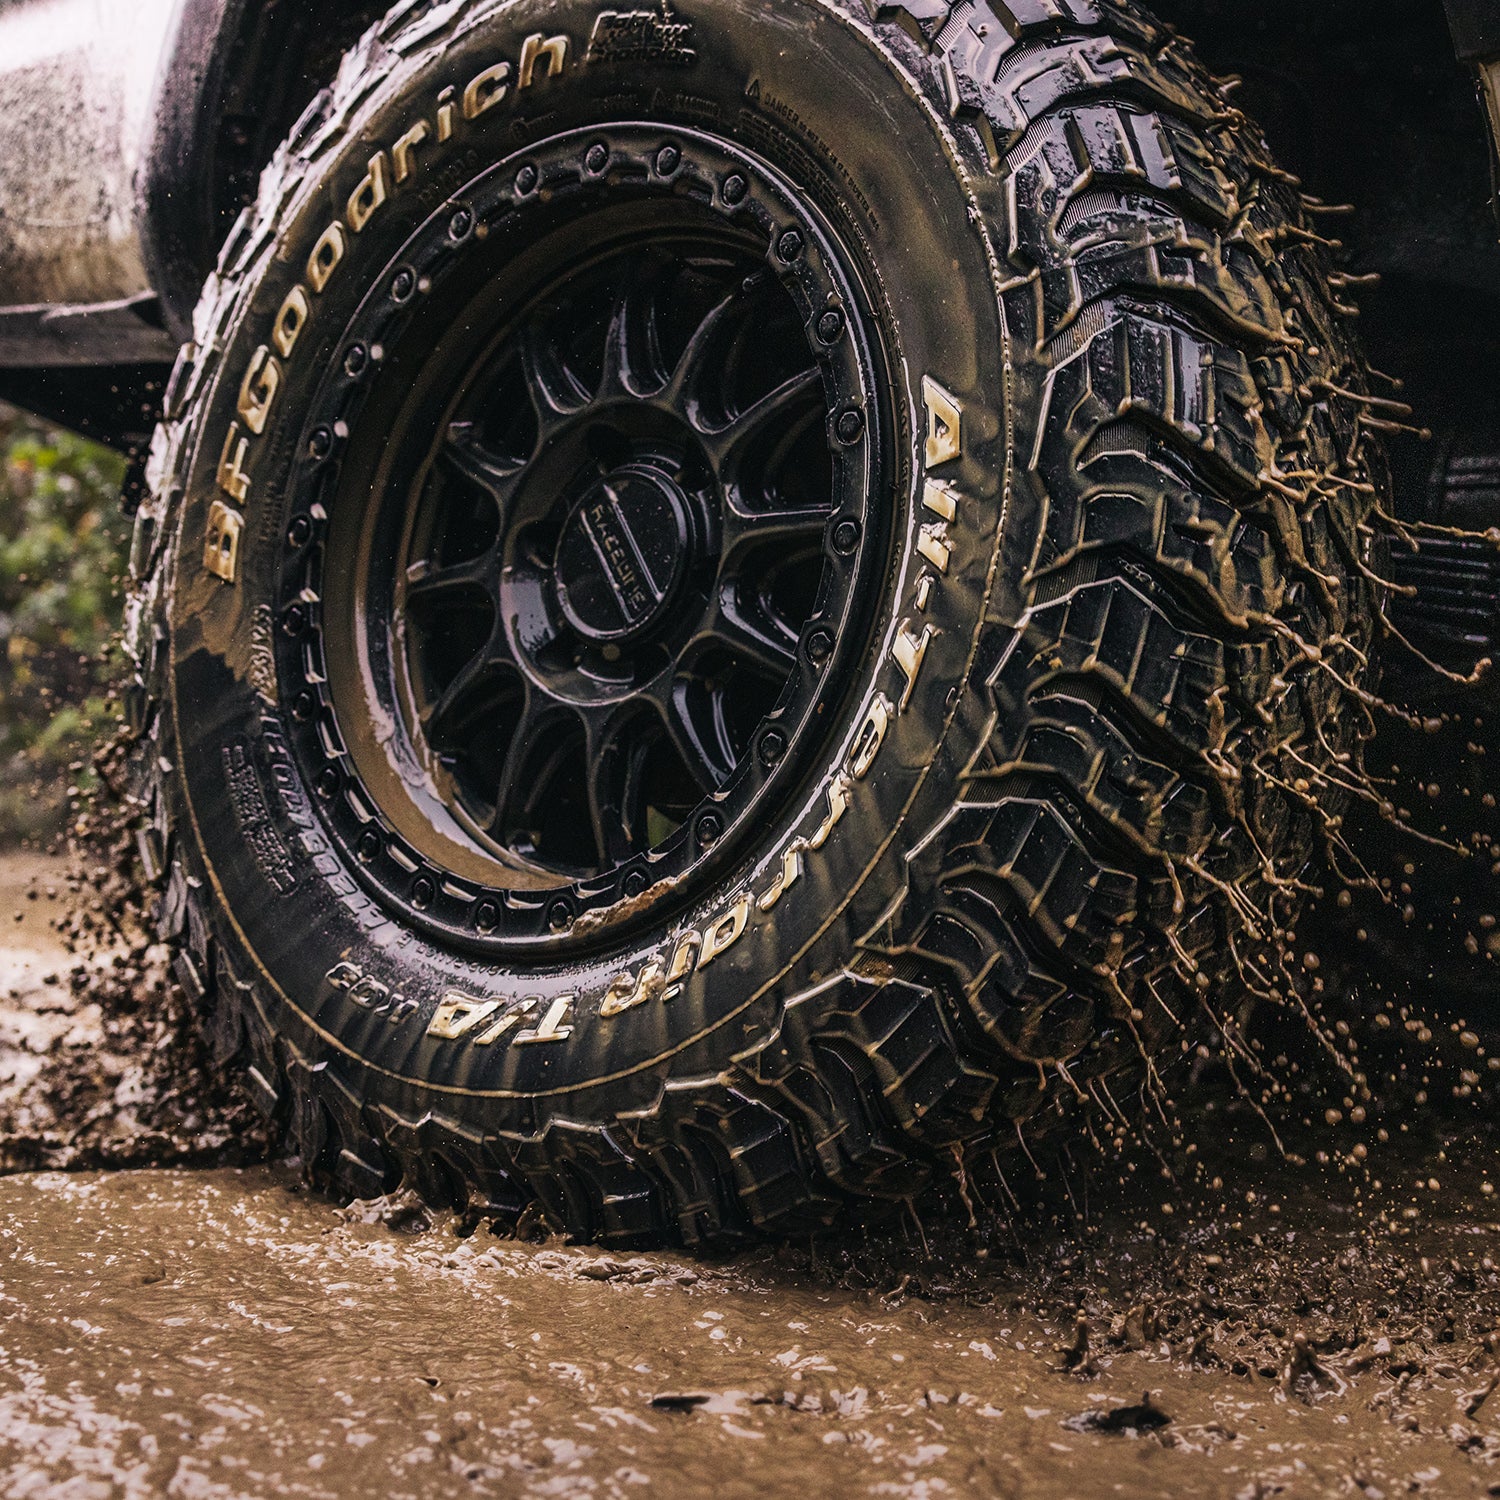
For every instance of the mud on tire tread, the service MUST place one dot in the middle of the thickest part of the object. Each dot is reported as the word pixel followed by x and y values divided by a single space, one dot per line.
pixel 1191 463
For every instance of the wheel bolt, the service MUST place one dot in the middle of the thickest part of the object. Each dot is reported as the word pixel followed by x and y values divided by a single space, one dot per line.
pixel 320 444
pixel 789 246
pixel 772 747
pixel 831 326
pixel 634 882
pixel 304 706
pixel 820 645
pixel 422 892
pixel 403 285
pixel 559 916
pixel 846 537
pixel 850 424
pixel 487 916
pixel 294 621
pixel 299 533
pixel 328 782
pixel 354 360
pixel 526 180
pixel 369 845
pixel 460 224
pixel 597 158
pixel 708 829
pixel 734 189
pixel 667 160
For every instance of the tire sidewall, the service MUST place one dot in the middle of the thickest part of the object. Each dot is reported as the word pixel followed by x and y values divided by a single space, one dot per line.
pixel 343 975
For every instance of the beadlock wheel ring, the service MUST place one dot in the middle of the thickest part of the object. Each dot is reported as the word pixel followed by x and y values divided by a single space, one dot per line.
pixel 595 491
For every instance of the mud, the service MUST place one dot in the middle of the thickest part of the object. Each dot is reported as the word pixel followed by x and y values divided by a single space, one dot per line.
pixel 1200 1315
pixel 100 1062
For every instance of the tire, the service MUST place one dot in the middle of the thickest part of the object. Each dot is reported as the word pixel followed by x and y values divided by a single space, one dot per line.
pixel 1089 624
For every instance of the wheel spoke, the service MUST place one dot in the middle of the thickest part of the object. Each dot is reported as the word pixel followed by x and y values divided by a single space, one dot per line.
pixel 682 388
pixel 614 785
pixel 632 353
pixel 753 636
pixel 443 717
pixel 786 444
pixel 467 456
pixel 694 722
pixel 554 390
pixel 528 766
pixel 797 529
pixel 429 586
pixel 776 405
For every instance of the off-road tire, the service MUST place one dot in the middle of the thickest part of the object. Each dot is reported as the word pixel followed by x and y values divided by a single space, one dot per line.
pixel 1083 752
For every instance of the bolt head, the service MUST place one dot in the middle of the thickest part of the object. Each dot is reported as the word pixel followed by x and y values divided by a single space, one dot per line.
pixel 294 621
pixel 422 892
pixel 831 326
pixel 846 536
pixel 559 916
pixel 403 284
pixel 819 644
pixel 369 845
pixel 354 360
pixel 526 180
pixel 304 706
pixel 461 223
pixel 597 157
pixel 634 882
pixel 850 425
pixel 668 159
pixel 487 916
pixel 772 747
pixel 299 533
pixel 789 246
pixel 709 828
pixel 328 782
pixel 320 443
pixel 734 189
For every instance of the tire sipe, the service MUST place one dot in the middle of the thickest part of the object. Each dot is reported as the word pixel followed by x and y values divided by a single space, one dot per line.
pixel 743 603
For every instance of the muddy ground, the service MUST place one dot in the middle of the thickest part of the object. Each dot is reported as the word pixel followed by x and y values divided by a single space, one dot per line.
pixel 1217 1320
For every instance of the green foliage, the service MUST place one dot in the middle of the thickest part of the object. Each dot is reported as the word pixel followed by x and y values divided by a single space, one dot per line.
pixel 63 543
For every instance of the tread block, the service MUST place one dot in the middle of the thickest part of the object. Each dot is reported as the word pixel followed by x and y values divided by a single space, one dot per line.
pixel 1199 395
pixel 1111 631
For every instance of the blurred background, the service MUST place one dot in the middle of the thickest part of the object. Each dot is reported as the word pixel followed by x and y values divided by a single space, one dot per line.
pixel 63 542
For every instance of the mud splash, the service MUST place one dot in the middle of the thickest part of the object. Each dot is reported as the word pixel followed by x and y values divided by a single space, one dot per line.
pixel 1196 1315
pixel 222 1333
pixel 101 1062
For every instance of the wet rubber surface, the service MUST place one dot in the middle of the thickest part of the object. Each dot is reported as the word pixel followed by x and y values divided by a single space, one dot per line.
pixel 1257 1328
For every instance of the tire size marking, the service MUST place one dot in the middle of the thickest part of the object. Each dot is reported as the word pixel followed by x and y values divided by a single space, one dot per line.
pixel 386 174
pixel 370 993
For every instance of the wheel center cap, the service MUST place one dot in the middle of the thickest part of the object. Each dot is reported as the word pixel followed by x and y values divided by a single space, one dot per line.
pixel 622 553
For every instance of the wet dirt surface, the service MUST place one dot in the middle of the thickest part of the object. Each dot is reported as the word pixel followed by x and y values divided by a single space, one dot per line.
pixel 1254 1328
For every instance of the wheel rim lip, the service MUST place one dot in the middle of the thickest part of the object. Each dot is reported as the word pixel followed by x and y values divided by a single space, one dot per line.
pixel 469 892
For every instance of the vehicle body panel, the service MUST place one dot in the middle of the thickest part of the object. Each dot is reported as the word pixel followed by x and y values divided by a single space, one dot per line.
pixel 78 94
pixel 135 129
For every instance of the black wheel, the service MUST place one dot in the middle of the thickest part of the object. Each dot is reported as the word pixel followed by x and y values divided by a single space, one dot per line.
pixel 740 604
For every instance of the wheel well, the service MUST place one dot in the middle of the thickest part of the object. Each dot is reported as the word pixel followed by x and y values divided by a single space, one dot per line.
pixel 1365 99
pixel 241 74
pixel 1368 102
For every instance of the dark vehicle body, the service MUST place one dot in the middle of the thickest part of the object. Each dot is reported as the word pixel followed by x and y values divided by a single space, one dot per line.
pixel 137 134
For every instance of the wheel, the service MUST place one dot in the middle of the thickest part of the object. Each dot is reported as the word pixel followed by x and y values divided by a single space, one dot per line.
pixel 742 606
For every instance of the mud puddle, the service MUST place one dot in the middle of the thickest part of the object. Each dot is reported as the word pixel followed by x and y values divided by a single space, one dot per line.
pixel 218 1333
pixel 1209 1319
